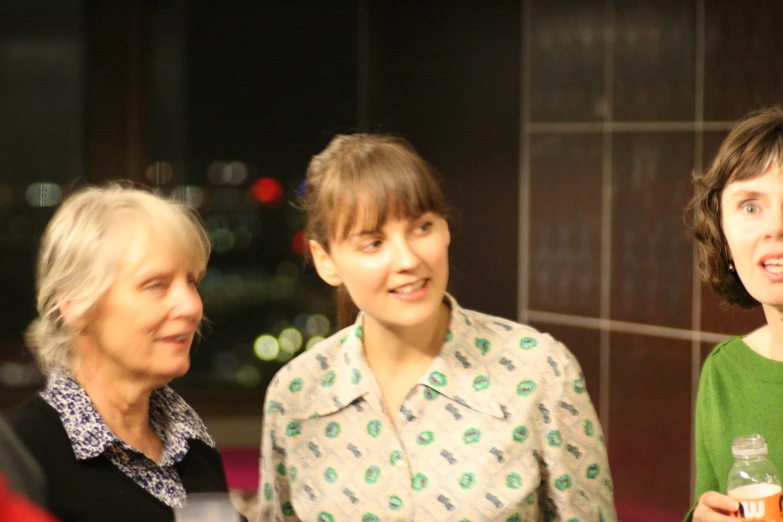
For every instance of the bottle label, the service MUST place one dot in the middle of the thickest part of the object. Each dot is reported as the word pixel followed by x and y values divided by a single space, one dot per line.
pixel 758 503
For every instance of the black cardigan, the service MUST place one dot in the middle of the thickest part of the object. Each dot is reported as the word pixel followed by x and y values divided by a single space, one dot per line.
pixel 94 490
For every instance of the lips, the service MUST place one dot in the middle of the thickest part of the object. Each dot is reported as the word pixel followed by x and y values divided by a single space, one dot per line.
pixel 772 265
pixel 176 338
pixel 410 288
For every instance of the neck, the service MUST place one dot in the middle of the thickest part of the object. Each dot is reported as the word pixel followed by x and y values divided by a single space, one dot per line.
pixel 122 404
pixel 394 347
pixel 770 337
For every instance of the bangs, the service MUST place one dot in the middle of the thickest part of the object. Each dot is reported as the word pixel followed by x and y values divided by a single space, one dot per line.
pixel 370 195
pixel 176 224
pixel 179 228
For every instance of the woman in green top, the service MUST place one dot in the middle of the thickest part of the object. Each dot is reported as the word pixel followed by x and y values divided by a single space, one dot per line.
pixel 737 215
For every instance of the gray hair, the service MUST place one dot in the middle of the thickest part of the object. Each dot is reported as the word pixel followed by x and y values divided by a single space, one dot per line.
pixel 76 268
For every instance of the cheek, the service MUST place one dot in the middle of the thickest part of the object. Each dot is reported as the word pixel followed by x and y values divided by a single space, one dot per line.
pixel 739 242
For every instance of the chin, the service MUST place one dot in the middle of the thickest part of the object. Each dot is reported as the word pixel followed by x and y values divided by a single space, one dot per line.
pixel 174 371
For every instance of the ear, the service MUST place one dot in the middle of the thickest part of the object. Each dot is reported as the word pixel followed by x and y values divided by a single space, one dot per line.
pixel 324 264
pixel 448 232
pixel 66 313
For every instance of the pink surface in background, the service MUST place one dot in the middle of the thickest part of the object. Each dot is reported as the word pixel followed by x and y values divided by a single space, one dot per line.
pixel 241 466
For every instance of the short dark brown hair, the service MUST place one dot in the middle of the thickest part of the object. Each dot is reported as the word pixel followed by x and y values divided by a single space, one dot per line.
pixel 754 144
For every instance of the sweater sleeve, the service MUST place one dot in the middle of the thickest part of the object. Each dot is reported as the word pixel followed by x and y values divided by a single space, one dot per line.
pixel 706 478
pixel 275 492
pixel 576 479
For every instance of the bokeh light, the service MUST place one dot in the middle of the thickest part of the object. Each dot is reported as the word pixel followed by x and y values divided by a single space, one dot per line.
pixel 190 195
pixel 222 240
pixel 290 340
pixel 313 341
pixel 234 173
pixel 266 347
pixel 318 325
pixel 268 191
pixel 215 172
pixel 284 356
pixel 298 243
pixel 300 321
pixel 159 173
pixel 13 374
pixel 243 237
pixel 249 376
pixel 225 363
pixel 44 194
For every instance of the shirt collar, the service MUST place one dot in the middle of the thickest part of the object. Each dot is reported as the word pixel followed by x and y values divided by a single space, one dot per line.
pixel 170 417
pixel 457 372
pixel 345 378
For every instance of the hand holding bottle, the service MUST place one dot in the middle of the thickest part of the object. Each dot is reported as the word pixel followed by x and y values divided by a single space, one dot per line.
pixel 714 507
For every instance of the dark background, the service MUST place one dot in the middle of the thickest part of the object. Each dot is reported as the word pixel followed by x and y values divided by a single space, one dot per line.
pixel 565 131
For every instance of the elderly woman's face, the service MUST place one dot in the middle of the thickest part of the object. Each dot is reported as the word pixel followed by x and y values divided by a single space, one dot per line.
pixel 145 323
pixel 752 216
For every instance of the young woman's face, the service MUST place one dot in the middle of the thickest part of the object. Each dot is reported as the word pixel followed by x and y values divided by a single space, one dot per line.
pixel 752 220
pixel 397 274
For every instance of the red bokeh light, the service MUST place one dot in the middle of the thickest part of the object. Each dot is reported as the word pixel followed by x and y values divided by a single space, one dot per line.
pixel 268 191
pixel 297 243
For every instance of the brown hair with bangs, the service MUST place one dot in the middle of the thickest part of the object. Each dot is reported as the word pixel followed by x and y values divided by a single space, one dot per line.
pixel 372 177
pixel 753 146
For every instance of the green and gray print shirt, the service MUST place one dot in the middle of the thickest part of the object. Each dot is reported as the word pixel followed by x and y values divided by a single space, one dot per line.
pixel 499 428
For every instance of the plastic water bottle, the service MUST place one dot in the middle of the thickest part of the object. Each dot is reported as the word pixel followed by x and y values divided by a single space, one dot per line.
pixel 754 482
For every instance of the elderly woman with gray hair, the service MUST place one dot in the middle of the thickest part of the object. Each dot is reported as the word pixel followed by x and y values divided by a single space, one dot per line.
pixel 118 309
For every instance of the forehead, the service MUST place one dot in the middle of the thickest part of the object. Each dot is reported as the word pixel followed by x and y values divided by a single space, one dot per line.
pixel 138 246
pixel 771 177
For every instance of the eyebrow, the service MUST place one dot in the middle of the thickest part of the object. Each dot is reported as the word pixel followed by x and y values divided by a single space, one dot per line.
pixel 364 233
pixel 745 193
pixel 156 274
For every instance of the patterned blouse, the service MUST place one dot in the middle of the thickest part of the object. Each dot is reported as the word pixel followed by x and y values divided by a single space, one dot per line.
pixel 170 417
pixel 499 428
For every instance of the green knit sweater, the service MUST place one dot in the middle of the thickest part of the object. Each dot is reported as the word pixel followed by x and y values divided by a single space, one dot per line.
pixel 740 392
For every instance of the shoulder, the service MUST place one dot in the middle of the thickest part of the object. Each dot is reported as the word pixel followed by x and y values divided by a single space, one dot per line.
pixel 303 375
pixel 33 419
pixel 503 339
pixel 725 349
pixel 202 468
pixel 722 357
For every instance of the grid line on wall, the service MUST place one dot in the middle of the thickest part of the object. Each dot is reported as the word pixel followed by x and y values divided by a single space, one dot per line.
pixel 627 127
pixel 698 162
pixel 612 325
pixel 523 248
pixel 604 388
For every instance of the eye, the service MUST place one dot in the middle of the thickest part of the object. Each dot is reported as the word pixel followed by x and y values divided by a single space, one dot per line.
pixel 749 207
pixel 154 286
pixel 371 246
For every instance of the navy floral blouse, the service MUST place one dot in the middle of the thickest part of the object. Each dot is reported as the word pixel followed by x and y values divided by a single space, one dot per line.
pixel 170 417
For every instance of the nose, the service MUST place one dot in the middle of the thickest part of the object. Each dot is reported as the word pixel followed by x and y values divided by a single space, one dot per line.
pixel 186 302
pixel 774 225
pixel 406 257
